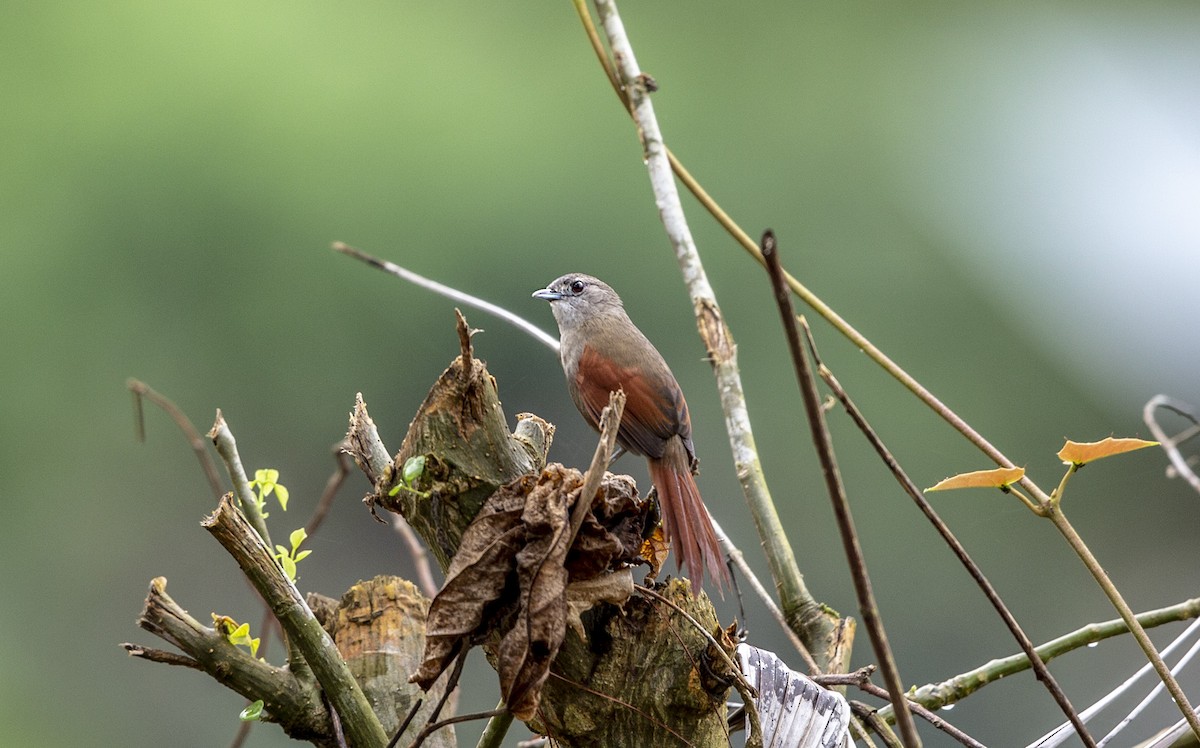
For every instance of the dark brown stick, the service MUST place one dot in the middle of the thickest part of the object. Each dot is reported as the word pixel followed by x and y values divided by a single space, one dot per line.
pixel 837 495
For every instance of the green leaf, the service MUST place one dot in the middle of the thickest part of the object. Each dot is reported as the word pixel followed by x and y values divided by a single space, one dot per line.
pixel 280 551
pixel 240 635
pixel 297 537
pixel 413 468
pixel 252 713
pixel 289 567
pixel 281 493
pixel 254 646
pixel 302 555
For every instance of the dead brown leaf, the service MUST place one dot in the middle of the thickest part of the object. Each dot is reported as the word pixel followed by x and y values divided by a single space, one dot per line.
pixel 475 583
pixel 531 645
pixel 654 551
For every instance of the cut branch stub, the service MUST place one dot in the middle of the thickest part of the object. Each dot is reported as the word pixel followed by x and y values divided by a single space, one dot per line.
pixel 461 430
pixel 379 627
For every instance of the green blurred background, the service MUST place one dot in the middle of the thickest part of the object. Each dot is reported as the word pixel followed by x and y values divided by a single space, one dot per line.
pixel 1004 198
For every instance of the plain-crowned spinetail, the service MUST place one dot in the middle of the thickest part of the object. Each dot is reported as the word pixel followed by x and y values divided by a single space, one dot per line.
pixel 603 351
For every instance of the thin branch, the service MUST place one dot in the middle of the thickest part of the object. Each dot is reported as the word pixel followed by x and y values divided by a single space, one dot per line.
pixel 739 561
pixel 808 616
pixel 222 439
pixel 450 293
pixel 335 481
pixel 870 717
pixel 1170 444
pixel 435 726
pixel 151 654
pixel 243 732
pixel 417 553
pixel 938 695
pixel 837 494
pixel 910 488
pixel 496 728
pixel 924 714
pixel 610 422
pixel 142 390
pixel 734 669
pixel 451 684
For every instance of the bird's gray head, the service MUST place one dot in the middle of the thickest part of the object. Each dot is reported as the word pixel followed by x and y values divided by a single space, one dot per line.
pixel 575 297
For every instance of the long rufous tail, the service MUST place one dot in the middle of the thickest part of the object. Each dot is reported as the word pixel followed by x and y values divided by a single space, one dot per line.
pixel 685 518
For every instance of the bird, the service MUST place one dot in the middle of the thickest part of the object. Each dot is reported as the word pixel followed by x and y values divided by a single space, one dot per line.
pixel 603 351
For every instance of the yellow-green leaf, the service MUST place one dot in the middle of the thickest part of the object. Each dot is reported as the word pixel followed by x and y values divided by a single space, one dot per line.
pixel 297 537
pixel 413 467
pixel 998 478
pixel 289 567
pixel 1081 453
pixel 253 712
pixel 240 635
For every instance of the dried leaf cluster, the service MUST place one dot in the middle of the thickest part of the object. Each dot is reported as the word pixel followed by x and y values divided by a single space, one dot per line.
pixel 508 583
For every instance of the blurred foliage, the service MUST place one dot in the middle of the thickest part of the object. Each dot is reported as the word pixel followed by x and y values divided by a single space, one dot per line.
pixel 172 175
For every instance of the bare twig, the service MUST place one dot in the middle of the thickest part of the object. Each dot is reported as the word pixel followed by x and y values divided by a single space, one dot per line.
pixel 837 493
pixel 243 732
pixel 222 439
pixel 871 719
pixel 336 479
pixel 451 683
pixel 142 390
pixel 1170 444
pixel 733 666
pixel 739 561
pixel 610 422
pixel 450 293
pixel 417 553
pixel 926 715
pixel 161 655
pixel 435 726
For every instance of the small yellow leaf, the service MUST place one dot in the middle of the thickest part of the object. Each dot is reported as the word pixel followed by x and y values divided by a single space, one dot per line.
pixel 1081 453
pixel 998 478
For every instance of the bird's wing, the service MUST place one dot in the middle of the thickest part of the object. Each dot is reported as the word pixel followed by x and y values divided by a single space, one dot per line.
pixel 654 410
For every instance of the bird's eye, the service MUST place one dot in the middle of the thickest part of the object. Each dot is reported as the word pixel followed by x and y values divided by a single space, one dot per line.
pixel 577 286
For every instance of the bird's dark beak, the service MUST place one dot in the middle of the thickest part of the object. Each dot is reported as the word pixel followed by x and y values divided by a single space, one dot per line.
pixel 547 294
